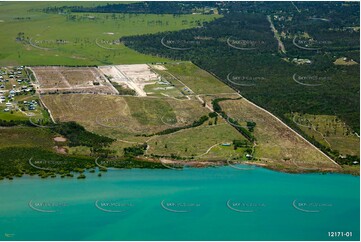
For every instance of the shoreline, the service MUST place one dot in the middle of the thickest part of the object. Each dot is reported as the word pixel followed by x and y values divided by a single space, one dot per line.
pixel 77 166
pixel 279 167
pixel 180 165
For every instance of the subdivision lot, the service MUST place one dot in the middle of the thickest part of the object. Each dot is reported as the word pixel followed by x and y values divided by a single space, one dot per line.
pixel 72 80
pixel 135 76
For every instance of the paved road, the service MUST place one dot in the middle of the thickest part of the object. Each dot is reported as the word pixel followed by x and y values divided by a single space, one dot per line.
pixel 277 36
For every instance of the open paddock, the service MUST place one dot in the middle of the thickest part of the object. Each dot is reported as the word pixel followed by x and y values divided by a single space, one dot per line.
pixel 138 72
pixel 72 80
pixel 201 143
pixel 197 80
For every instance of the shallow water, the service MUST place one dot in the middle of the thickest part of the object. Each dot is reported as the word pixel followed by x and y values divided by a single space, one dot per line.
pixel 193 204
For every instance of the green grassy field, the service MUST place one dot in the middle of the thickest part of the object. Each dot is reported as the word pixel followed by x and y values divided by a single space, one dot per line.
pixel 196 142
pixel 198 80
pixel 162 90
pixel 89 39
pixel 150 111
pixel 26 137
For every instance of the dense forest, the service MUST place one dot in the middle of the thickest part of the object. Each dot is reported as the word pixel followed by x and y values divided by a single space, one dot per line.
pixel 168 7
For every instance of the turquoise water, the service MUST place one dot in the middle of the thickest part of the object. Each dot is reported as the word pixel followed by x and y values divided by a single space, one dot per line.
pixel 194 204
